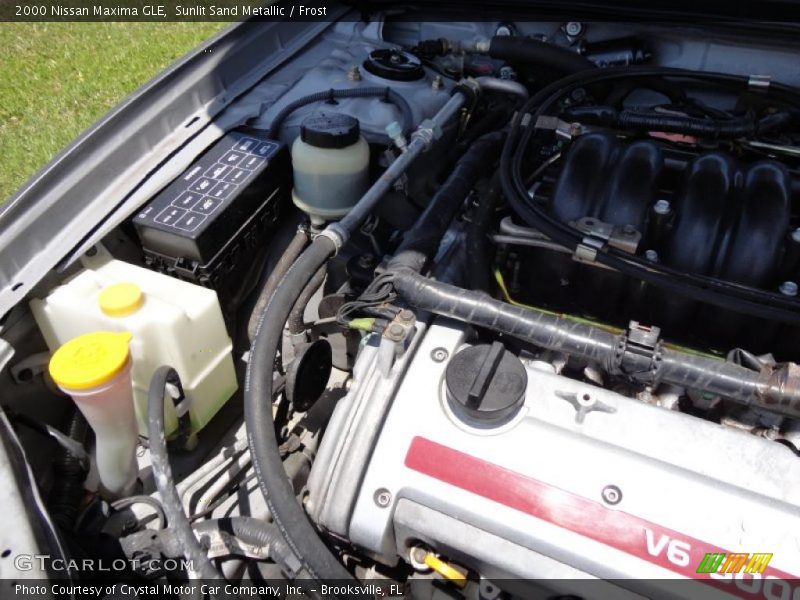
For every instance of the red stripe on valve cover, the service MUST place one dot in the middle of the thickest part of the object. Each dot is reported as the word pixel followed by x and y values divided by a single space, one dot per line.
pixel 659 545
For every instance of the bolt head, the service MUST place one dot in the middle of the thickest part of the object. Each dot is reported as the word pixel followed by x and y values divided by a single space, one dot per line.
pixel 383 497
pixel 612 494
pixel 573 28
pixel 439 354
pixel 354 74
pixel 788 288
pixel 662 207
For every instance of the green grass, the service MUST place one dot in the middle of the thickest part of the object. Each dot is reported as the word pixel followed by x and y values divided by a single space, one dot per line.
pixel 56 79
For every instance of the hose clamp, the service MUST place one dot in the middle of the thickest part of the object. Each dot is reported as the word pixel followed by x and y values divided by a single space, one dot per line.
pixel 469 87
pixel 638 353
pixel 336 234
pixel 759 83
pixel 173 389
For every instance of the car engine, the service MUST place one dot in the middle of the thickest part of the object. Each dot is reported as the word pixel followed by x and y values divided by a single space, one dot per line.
pixel 481 310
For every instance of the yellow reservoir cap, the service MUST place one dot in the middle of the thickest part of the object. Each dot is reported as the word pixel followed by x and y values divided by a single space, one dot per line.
pixel 120 299
pixel 90 360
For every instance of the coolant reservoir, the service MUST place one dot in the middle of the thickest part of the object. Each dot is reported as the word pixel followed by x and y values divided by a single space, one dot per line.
pixel 330 159
pixel 172 323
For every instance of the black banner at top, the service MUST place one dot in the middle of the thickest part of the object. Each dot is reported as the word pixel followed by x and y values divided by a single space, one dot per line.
pixel 751 11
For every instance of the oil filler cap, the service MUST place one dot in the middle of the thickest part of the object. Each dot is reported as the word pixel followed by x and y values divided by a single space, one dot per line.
pixel 486 384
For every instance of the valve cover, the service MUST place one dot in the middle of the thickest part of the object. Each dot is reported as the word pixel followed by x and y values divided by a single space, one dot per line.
pixel 581 482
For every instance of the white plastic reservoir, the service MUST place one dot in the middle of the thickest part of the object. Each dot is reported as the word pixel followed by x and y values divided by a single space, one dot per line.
pixel 172 322
pixel 330 160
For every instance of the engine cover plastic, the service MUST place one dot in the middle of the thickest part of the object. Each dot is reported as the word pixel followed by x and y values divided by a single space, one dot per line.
pixel 583 482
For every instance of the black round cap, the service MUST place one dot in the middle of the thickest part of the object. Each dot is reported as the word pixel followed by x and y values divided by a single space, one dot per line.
pixel 330 130
pixel 486 384
pixel 394 64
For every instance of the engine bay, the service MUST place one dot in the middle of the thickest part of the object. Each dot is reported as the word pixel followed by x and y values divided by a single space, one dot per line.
pixel 463 309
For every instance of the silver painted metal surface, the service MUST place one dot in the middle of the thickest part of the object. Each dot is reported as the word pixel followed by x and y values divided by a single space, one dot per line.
pixel 714 484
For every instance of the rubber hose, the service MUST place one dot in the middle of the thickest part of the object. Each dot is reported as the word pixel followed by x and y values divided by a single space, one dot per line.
pixel 649 121
pixel 293 250
pixel 477 247
pixel 713 128
pixel 503 86
pixel 296 323
pixel 496 118
pixel 70 473
pixel 421 242
pixel 551 60
pixel 774 389
pixel 162 473
pixel 287 512
pixel 399 101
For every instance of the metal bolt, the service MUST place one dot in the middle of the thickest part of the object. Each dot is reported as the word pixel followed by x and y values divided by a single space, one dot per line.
pixel 612 494
pixel 504 31
pixel 578 95
pixel 662 207
pixel 507 73
pixel 354 74
pixel 439 354
pixel 382 497
pixel 573 28
pixel 796 235
pixel 651 255
pixel 396 330
pixel 437 82
pixel 788 288
pixel 417 554
pixel 406 315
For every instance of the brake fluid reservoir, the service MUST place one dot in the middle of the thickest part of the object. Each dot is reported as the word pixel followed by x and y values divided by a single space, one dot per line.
pixel 173 323
pixel 330 160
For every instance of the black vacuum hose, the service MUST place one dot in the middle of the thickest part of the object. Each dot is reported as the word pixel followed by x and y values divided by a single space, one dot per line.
pixel 296 323
pixel 714 128
pixel 162 473
pixel 70 473
pixel 293 250
pixel 288 514
pixel 551 61
pixel 330 95
pixel 478 251
pixel 421 242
